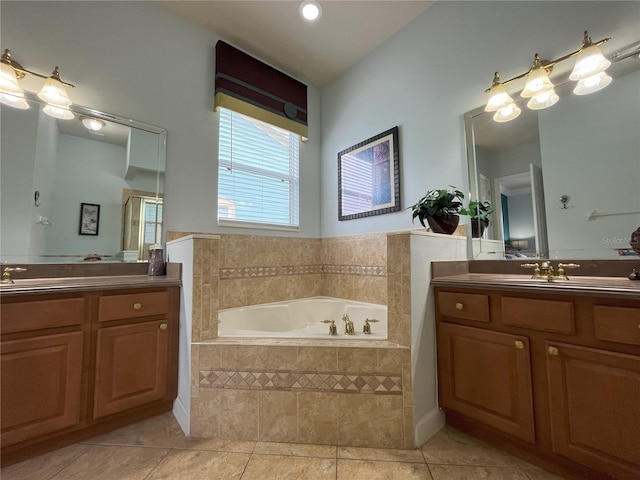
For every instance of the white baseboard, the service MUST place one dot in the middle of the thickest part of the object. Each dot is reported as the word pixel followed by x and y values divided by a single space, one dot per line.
pixel 181 413
pixel 428 426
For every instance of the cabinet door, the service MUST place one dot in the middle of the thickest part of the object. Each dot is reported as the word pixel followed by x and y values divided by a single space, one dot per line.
pixel 594 398
pixel 41 385
pixel 486 376
pixel 131 366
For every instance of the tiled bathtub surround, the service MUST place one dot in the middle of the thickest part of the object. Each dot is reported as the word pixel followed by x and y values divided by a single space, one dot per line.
pixel 302 393
pixel 354 393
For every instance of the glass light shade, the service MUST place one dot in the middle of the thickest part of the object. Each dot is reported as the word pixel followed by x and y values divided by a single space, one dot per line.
pixel 537 82
pixel 8 79
pixel 507 113
pixel 592 84
pixel 590 61
pixel 310 10
pixel 543 100
pixel 92 124
pixel 498 98
pixel 56 111
pixel 15 100
pixel 53 93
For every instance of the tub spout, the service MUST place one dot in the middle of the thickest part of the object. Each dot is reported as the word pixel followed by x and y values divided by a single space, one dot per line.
pixel 348 325
pixel 333 330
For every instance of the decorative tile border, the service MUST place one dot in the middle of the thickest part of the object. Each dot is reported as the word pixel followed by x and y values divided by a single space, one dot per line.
pixel 256 272
pixel 302 381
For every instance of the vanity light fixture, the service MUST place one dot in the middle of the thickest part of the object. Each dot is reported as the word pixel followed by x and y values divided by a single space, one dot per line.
pixel 52 92
pixel 589 72
pixel 310 10
pixel 92 124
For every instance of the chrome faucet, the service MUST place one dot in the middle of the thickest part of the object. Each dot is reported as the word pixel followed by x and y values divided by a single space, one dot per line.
pixel 6 273
pixel 547 272
pixel 349 329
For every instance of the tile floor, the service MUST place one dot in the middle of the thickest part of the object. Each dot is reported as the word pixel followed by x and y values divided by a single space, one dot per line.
pixel 156 449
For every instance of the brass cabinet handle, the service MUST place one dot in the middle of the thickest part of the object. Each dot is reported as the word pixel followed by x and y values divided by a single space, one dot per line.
pixel 459 306
pixel 553 351
pixel 519 345
pixel 137 306
pixel 164 326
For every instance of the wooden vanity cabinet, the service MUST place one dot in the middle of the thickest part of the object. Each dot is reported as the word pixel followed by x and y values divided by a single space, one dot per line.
pixel 78 364
pixel 578 362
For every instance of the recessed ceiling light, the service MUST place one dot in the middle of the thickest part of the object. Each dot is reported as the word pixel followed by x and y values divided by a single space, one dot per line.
pixel 92 124
pixel 310 10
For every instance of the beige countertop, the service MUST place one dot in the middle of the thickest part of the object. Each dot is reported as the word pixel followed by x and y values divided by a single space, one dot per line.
pixel 583 285
pixel 71 284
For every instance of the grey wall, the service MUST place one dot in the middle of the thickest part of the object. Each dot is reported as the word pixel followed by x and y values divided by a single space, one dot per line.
pixel 139 61
pixel 435 69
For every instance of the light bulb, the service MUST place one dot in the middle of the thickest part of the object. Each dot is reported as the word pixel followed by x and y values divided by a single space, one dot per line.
pixel 56 111
pixel 310 10
pixel 507 113
pixel 592 84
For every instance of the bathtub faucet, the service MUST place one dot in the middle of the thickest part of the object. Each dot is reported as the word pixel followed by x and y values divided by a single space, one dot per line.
pixel 367 328
pixel 349 329
pixel 333 330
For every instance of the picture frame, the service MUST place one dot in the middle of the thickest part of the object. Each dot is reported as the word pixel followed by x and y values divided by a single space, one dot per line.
pixel 89 219
pixel 369 177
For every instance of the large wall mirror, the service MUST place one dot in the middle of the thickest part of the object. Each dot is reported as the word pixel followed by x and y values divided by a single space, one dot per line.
pixel 52 167
pixel 564 181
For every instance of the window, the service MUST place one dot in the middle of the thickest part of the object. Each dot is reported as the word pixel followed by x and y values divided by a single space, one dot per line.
pixel 258 173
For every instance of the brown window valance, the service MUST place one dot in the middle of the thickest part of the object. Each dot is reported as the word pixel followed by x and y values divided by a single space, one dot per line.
pixel 248 86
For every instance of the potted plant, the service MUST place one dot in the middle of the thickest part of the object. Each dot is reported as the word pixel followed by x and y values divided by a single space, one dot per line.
pixel 440 208
pixel 479 213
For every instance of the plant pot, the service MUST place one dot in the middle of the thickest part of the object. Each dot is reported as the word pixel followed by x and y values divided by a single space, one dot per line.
pixel 477 227
pixel 446 225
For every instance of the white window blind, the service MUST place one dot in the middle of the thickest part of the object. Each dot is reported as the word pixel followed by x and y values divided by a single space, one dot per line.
pixel 258 173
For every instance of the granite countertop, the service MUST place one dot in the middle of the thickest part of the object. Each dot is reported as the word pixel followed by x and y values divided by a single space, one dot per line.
pixel 608 286
pixel 70 284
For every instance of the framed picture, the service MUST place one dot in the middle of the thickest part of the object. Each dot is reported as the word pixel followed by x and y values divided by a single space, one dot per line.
pixel 369 177
pixel 89 219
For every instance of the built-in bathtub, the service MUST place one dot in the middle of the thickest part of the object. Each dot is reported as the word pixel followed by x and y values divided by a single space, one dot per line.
pixel 303 318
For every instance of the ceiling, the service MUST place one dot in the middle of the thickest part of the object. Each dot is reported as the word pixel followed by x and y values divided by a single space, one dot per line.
pixel 315 53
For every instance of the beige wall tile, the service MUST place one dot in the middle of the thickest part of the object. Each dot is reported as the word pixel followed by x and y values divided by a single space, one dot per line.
pixel 205 413
pixel 278 416
pixel 233 293
pixel 357 360
pixel 390 360
pixel 210 356
pixel 240 357
pixel 317 418
pixel 407 388
pixel 276 358
pixel 317 359
pixel 409 438
pixel 370 420
pixel 239 414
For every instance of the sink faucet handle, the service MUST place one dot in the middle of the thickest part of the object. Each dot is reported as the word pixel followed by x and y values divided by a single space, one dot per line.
pixel 6 273
pixel 565 266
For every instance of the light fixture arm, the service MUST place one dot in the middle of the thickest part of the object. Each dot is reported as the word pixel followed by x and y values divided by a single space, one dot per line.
pixel 549 65
pixel 21 71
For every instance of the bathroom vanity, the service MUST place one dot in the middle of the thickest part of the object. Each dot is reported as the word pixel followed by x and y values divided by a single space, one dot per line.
pixel 547 370
pixel 82 356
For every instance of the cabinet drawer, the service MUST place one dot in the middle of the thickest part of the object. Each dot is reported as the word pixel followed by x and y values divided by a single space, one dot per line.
pixel 470 306
pixel 25 316
pixel 617 324
pixel 143 304
pixel 544 315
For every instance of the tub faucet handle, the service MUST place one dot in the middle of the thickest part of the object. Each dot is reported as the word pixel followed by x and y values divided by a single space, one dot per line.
pixel 333 330
pixel 367 328
pixel 6 273
pixel 348 325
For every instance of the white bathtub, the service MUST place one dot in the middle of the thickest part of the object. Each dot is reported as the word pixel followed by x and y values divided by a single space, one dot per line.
pixel 303 319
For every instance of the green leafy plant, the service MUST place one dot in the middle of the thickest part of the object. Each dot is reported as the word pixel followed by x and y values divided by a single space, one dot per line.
pixel 478 210
pixel 438 203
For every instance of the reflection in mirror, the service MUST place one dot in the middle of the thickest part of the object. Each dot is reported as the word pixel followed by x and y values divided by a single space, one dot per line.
pixel 548 171
pixel 50 167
